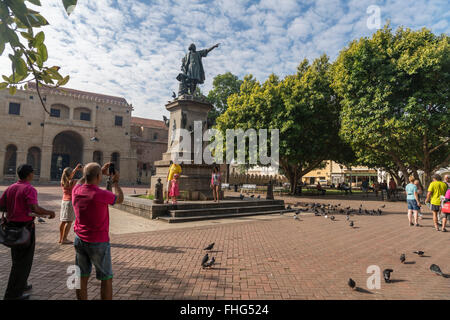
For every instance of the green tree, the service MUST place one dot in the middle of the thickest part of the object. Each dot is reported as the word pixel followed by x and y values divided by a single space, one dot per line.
pixel 302 106
pixel 18 24
pixel 394 91
pixel 224 85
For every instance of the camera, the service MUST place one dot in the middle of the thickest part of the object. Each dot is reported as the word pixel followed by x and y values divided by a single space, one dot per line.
pixel 112 169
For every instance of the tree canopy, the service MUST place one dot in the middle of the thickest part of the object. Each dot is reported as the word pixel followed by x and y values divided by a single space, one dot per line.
pixel 302 106
pixel 394 92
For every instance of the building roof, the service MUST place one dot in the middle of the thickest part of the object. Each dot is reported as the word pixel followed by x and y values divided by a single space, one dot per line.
pixel 80 94
pixel 148 123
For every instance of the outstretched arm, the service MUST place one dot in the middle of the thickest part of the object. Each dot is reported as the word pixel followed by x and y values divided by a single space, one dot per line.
pixel 213 47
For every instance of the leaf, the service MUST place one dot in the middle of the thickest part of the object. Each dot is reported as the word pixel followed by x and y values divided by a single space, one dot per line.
pixel 35 2
pixel 69 5
pixel 64 81
pixel 39 39
pixel 55 74
pixel 42 51
pixel 27 36
pixel 20 10
pixel 12 90
pixel 6 79
pixel 3 85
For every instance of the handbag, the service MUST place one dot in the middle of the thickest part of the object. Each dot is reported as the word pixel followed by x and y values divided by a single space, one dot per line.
pixel 445 207
pixel 13 236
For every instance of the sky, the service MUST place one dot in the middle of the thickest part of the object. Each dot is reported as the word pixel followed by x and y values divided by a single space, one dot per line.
pixel 133 48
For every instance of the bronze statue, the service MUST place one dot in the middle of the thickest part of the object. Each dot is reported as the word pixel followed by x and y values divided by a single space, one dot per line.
pixel 192 72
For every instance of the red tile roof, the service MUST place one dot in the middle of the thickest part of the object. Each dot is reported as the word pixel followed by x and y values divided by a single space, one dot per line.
pixel 148 123
pixel 80 94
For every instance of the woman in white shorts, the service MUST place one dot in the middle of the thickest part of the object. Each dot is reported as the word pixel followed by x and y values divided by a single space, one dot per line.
pixel 67 215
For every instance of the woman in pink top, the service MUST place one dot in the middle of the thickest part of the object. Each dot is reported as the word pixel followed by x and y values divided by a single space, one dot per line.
pixel 67 215
pixel 174 191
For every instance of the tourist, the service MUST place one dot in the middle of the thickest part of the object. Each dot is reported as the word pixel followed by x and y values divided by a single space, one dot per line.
pixel 376 188
pixel 365 187
pixel 445 208
pixel 419 195
pixel 92 246
pixel 67 216
pixel 18 201
pixel 174 191
pixel 174 168
pixel 436 189
pixel 447 180
pixel 216 180
pixel 412 199
pixel 320 189
pixel 392 188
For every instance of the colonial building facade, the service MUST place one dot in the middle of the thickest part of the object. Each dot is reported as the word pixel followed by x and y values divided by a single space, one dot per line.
pixel 82 127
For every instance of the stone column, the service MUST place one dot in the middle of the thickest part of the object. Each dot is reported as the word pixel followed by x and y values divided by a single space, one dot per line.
pixel 46 162
pixel 2 163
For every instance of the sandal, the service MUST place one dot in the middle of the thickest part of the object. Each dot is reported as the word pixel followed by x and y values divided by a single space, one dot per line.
pixel 444 230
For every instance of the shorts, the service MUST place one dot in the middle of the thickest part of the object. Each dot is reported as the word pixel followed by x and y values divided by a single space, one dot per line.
pixel 435 208
pixel 93 253
pixel 67 214
pixel 445 215
pixel 412 205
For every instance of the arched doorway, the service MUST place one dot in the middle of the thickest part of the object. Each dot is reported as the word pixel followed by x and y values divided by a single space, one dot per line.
pixel 34 159
pixel 98 157
pixel 115 158
pixel 10 160
pixel 67 152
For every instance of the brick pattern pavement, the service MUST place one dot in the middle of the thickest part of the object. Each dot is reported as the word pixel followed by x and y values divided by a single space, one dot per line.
pixel 271 258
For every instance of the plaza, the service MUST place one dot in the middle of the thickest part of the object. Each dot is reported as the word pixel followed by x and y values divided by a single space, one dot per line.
pixel 261 257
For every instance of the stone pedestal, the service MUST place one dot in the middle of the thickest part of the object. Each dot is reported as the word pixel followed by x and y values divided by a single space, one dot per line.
pixel 195 178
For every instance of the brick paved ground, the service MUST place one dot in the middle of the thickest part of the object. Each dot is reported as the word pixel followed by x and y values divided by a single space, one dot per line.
pixel 274 257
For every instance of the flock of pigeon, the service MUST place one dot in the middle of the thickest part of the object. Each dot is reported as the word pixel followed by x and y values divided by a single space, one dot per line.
pixel 329 210
pixel 387 272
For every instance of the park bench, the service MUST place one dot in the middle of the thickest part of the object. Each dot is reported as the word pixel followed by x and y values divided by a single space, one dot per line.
pixel 248 187
pixel 279 190
pixel 225 186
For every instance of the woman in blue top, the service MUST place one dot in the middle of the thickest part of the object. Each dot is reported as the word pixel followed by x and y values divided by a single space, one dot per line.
pixel 412 198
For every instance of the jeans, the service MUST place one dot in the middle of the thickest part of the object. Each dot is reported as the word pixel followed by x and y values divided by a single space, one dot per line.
pixel 22 260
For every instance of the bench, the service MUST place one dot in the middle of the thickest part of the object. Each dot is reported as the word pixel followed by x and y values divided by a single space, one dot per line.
pixel 225 186
pixel 248 187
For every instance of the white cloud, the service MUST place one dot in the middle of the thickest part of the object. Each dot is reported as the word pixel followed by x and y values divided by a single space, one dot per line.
pixel 134 48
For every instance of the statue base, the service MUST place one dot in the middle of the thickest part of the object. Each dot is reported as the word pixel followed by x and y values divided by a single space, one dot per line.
pixel 195 179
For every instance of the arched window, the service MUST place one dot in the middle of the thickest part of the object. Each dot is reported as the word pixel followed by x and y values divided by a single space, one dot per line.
pixel 10 160
pixel 115 158
pixel 98 157
pixel 34 159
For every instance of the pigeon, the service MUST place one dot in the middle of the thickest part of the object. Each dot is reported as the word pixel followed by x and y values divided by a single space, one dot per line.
pixel 209 247
pixel 383 206
pixel 252 196
pixel 326 217
pixel 403 258
pixel 332 218
pixel 347 218
pixel 420 253
pixel 204 260
pixel 295 217
pixel 289 207
pixel 351 224
pixel 241 196
pixel 435 268
pixel 348 208
pixel 40 220
pixel 258 197
pixel 351 283
pixel 134 191
pixel 210 263
pixel 387 275
pixel 174 95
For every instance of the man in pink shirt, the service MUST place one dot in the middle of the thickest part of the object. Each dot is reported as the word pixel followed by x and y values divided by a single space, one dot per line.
pixel 19 200
pixel 92 246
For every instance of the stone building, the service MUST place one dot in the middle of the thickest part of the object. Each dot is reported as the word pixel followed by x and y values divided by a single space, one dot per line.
pixel 149 140
pixel 82 127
